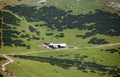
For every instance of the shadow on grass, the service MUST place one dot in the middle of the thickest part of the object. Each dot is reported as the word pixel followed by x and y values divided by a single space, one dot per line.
pixel 81 65
pixel 32 29
pixel 112 50
pixel 1 75
pixel 1 58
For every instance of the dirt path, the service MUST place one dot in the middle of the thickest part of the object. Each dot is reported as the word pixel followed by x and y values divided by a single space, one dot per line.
pixel 101 46
pixel 10 60
pixel 4 69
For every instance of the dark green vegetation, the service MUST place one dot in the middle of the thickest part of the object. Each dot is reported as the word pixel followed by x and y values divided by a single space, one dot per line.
pixel 1 75
pixel 81 65
pixel 112 50
pixel 9 32
pixel 87 61
pixel 97 22
pixel 25 24
pixel 21 24
pixel 97 41
pixel 103 22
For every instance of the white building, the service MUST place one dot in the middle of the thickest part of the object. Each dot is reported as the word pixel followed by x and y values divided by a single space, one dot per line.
pixel 42 1
pixel 61 45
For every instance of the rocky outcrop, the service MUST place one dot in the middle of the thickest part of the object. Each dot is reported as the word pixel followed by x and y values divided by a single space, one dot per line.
pixel 114 5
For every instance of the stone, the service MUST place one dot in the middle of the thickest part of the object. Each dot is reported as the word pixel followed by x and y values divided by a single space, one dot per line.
pixel 114 5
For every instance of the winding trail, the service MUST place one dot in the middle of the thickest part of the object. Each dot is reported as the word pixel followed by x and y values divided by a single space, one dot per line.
pixel 10 60
pixel 4 69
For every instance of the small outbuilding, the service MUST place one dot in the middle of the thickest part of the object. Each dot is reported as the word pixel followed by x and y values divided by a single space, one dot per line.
pixel 61 45
pixel 42 1
pixel 56 46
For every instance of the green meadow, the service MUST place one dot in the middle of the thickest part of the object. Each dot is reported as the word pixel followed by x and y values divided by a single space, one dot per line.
pixel 26 24
pixel 75 62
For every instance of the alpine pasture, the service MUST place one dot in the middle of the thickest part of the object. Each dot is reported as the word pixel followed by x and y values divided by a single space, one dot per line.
pixel 89 25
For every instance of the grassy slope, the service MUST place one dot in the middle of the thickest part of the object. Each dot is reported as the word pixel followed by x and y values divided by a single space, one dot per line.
pixel 81 7
pixel 76 10
pixel 85 7
pixel 31 67
pixel 45 70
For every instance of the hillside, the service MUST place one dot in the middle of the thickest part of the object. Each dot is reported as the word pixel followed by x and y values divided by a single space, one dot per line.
pixel 86 22
pixel 26 24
